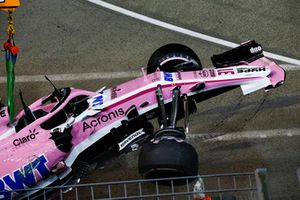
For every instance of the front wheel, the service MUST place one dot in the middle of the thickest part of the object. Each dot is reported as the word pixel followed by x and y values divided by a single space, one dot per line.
pixel 174 58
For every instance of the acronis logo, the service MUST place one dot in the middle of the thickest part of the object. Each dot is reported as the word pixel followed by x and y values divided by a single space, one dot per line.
pixel 23 177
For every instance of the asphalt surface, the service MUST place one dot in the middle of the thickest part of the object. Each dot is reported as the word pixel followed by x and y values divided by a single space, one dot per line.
pixel 75 37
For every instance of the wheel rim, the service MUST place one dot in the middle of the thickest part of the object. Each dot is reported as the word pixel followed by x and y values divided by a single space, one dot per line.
pixel 172 58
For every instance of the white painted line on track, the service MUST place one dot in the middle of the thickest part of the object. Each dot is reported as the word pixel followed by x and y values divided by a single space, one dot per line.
pixel 295 64
pixel 186 31
pixel 93 76
pixel 289 67
pixel 256 134
pixel 75 77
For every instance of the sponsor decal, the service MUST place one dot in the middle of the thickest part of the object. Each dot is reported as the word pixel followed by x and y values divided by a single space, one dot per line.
pixel 178 74
pixel 130 138
pixel 114 92
pixel 103 119
pixel 195 74
pixel 249 70
pixel 212 73
pixel 98 100
pixel 204 74
pixel 155 79
pixel 225 71
pixel 168 77
pixel 2 113
pixel 22 140
pixel 24 177
pixel 255 49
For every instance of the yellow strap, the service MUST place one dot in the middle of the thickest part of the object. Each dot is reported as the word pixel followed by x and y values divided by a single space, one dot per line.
pixel 10 27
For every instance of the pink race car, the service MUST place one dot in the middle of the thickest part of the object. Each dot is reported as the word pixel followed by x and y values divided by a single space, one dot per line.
pixel 54 140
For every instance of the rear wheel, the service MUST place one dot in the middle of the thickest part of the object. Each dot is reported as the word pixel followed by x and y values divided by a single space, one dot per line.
pixel 173 58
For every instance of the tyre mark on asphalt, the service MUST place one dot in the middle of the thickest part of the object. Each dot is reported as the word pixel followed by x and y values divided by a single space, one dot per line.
pixel 213 131
pixel 216 130
pixel 259 108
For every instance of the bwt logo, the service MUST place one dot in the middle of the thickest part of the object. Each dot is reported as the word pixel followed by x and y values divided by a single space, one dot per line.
pixel 23 177
pixel 168 76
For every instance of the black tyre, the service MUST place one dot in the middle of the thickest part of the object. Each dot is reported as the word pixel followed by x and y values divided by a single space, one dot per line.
pixel 172 58
pixel 168 157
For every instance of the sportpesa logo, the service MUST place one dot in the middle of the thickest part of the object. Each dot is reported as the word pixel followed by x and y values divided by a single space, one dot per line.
pixel 249 70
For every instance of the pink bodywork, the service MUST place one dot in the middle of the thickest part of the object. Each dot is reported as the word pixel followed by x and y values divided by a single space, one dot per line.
pixel 108 113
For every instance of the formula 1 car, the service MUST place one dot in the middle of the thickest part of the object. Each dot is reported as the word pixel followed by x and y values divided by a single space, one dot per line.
pixel 54 140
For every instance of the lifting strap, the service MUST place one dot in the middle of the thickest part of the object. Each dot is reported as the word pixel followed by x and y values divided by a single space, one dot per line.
pixel 11 53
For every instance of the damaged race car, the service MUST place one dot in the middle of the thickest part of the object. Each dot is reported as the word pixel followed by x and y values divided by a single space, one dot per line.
pixel 54 140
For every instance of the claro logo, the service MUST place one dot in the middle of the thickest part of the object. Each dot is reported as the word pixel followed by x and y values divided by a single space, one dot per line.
pixel 23 140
